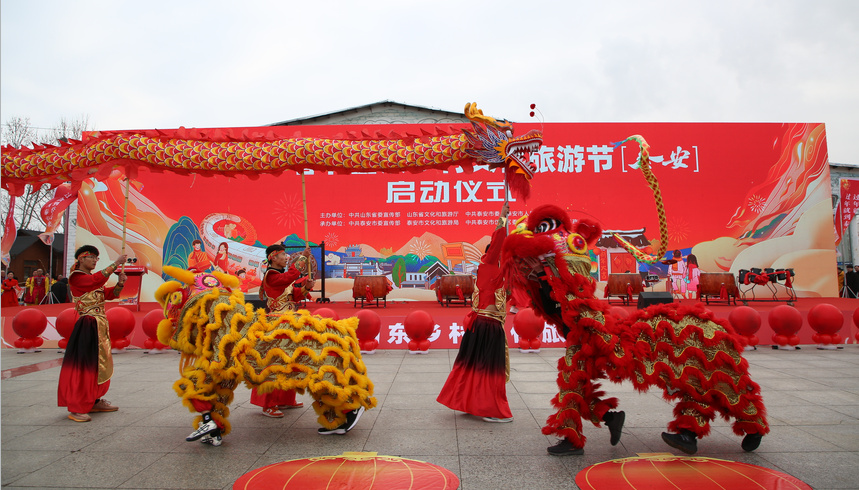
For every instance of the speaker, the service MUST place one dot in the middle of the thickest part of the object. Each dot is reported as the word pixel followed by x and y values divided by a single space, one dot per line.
pixel 647 298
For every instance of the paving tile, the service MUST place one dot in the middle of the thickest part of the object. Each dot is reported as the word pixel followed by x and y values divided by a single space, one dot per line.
pixel 812 398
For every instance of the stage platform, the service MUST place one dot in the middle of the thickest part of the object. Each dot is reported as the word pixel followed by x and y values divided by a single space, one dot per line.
pixel 449 320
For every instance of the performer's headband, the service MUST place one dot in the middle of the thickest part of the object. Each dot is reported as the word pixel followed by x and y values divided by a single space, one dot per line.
pixel 273 254
pixel 86 254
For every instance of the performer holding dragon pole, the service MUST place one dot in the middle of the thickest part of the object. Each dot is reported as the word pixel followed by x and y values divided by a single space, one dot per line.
pixel 88 364
pixel 476 382
pixel 277 290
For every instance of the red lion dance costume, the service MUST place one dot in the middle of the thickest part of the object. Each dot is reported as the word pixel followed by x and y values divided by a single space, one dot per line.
pixel 692 356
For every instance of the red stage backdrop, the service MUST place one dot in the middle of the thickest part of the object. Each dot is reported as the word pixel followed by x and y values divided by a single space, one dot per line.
pixel 737 196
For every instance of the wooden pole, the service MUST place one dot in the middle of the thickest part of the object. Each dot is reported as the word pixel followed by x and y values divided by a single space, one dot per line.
pixel 124 222
pixel 304 198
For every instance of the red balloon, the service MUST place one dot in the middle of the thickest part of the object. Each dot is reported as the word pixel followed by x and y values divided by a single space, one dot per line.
pixel 785 320
pixel 150 323
pixel 825 319
pixel 369 325
pixel 856 317
pixel 29 323
pixel 527 324
pixel 533 106
pixel 120 322
pixel 745 320
pixel 418 325
pixel 327 313
pixel 66 322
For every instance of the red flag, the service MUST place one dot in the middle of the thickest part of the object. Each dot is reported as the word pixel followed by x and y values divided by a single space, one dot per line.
pixel 10 233
pixel 52 211
pixel 847 206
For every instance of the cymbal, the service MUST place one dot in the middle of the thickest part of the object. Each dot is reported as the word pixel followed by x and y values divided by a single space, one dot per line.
pixel 669 261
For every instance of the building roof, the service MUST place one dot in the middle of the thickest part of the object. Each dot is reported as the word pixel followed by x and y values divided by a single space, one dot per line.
pixel 389 112
pixel 27 238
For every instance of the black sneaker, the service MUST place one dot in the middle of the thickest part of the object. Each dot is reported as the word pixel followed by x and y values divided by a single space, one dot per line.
pixel 685 441
pixel 335 431
pixel 751 442
pixel 352 418
pixel 207 426
pixel 565 448
pixel 614 422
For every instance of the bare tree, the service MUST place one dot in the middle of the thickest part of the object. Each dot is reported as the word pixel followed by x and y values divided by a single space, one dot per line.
pixel 18 132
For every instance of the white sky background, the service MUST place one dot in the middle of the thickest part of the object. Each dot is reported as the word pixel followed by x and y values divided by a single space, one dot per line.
pixel 165 64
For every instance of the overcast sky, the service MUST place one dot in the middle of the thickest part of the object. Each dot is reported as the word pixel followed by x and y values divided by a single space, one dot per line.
pixel 165 64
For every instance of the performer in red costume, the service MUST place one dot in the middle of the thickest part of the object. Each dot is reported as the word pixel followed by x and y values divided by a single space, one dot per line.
pixel 38 286
pixel 88 364
pixel 198 260
pixel 277 288
pixel 10 290
pixel 476 382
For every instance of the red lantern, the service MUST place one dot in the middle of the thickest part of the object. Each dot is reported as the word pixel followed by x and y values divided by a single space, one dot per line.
pixel 369 326
pixel 826 320
pixel 150 328
pixel 65 325
pixel 529 327
pixel 681 472
pixel 29 325
pixel 419 325
pixel 785 321
pixel 746 322
pixel 120 323
pixel 350 470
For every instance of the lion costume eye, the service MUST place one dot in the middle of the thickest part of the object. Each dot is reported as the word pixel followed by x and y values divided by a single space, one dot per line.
pixel 547 225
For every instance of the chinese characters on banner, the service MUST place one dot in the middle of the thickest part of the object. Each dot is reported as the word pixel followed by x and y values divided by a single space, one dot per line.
pixel 847 206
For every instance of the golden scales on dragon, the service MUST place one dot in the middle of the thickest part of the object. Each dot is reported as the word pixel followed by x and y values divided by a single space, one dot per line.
pixel 691 356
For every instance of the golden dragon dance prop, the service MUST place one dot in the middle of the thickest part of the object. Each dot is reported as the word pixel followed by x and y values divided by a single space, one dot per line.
pixel 261 150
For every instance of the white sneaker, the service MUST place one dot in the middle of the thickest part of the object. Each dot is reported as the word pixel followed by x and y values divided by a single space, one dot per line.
pixel 205 428
pixel 214 439
pixel 498 420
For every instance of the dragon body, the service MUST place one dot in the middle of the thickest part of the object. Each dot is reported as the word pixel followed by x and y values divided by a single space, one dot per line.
pixel 224 342
pixel 684 351
pixel 256 150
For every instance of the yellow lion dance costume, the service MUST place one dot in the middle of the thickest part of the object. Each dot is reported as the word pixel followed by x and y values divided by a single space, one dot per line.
pixel 224 341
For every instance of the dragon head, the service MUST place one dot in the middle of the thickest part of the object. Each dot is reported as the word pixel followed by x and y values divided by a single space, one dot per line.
pixel 548 255
pixel 493 144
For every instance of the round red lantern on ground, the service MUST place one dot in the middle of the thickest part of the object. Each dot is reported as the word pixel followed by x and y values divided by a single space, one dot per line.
pixel 785 321
pixel 29 325
pixel 746 322
pixel 369 326
pixel 826 320
pixel 65 325
pixel 419 325
pixel 150 328
pixel 327 313
pixel 120 324
pixel 529 327
pixel 350 470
